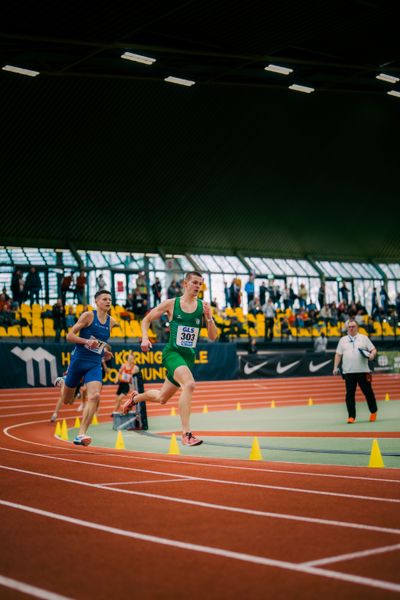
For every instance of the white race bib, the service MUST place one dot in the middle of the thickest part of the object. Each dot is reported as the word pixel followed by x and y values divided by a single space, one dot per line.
pixel 186 337
pixel 97 349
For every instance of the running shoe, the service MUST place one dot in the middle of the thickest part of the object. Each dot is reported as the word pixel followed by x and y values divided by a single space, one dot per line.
pixel 126 407
pixel 82 440
pixel 58 381
pixel 372 417
pixel 53 417
pixel 188 439
pixel 351 420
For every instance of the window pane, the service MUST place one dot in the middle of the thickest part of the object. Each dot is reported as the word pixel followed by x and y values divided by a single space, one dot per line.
pixel 18 256
pixel 98 259
pixel 68 259
pixel 49 256
pixel 4 257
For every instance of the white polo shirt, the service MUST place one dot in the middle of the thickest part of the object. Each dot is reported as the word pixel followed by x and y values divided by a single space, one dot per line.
pixel 352 359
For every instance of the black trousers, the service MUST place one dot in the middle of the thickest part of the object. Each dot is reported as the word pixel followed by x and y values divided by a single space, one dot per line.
pixel 364 381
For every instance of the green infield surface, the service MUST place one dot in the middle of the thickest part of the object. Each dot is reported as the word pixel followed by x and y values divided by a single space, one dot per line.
pixel 317 434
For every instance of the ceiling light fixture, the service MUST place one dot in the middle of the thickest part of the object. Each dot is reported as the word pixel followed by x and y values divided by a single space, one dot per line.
pixel 301 88
pixel 179 81
pixel 20 71
pixel 388 78
pixel 278 69
pixel 145 60
pixel 394 93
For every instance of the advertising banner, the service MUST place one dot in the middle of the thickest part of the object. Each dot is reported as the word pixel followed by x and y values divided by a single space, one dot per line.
pixel 387 362
pixel 286 365
pixel 36 365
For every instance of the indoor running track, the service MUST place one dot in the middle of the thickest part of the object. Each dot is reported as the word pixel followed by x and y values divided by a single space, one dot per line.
pixel 95 523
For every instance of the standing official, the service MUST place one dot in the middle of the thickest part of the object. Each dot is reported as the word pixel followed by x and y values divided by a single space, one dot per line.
pixel 354 350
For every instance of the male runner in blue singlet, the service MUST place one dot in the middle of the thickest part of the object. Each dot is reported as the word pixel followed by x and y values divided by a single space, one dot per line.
pixel 94 329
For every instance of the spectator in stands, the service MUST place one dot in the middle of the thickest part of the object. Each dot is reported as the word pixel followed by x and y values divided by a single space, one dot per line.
pixel 161 329
pixel 80 288
pixel 262 293
pixel 202 290
pixel 70 318
pixel 139 302
pixel 254 307
pixel 320 343
pixel 325 314
pixel 292 296
pixel 226 294
pixel 58 314
pixel 270 314
pixel 33 285
pixel 321 295
pixel 4 302
pixel 172 290
pixel 101 282
pixel 129 304
pixel 302 295
pixel 398 304
pixel 17 286
pixel 156 288
pixel 342 309
pixel 141 284
pixel 344 293
pixel 66 286
pixel 374 304
pixel 285 328
pixel 252 346
pixel 384 298
pixel 234 294
pixel 334 314
pixel 286 297
pixel 249 288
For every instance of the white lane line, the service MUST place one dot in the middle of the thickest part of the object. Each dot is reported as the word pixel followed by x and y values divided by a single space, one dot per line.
pixel 242 483
pixel 144 481
pixel 250 558
pixel 234 509
pixel 31 590
pixel 351 555
pixel 180 462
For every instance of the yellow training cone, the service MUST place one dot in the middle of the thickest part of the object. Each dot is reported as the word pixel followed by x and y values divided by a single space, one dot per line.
pixel 173 447
pixel 375 459
pixel 310 402
pixel 64 430
pixel 120 444
pixel 387 397
pixel 58 429
pixel 255 453
pixel 94 420
pixel 238 407
pixel 77 423
pixel 272 403
pixel 173 411
pixel 205 408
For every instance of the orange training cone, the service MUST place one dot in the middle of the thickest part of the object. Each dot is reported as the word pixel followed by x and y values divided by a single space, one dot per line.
pixel 272 403
pixel 64 430
pixel 120 444
pixel 173 411
pixel 310 402
pixel 238 407
pixel 255 453
pixel 205 408
pixel 173 447
pixel 387 397
pixel 375 459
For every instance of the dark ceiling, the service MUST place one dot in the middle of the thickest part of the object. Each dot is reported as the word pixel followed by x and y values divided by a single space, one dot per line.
pixel 101 152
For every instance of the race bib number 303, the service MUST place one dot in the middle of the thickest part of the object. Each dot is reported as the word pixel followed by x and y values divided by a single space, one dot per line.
pixel 186 337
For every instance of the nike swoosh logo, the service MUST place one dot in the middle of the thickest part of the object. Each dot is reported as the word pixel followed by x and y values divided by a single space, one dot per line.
pixel 248 369
pixel 280 369
pixel 313 368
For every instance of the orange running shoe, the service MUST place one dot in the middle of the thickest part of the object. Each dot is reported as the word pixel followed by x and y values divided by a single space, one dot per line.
pixel 188 439
pixel 351 420
pixel 129 403
pixel 372 417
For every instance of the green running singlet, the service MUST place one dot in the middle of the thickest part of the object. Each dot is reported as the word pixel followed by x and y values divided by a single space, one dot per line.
pixel 184 331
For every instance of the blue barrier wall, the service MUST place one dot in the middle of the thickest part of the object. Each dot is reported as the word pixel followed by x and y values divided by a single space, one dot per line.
pixel 35 365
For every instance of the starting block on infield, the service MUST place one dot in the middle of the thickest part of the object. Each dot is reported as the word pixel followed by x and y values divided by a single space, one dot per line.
pixel 134 420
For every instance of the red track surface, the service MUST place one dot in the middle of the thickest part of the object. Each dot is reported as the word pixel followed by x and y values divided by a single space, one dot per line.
pixel 97 523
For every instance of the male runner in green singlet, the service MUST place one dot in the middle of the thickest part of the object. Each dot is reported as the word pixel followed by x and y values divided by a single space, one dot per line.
pixel 185 315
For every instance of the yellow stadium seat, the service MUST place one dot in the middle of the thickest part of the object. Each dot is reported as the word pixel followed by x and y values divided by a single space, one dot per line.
pixel 3 332
pixel 14 331
pixel 116 332
pixel 26 332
